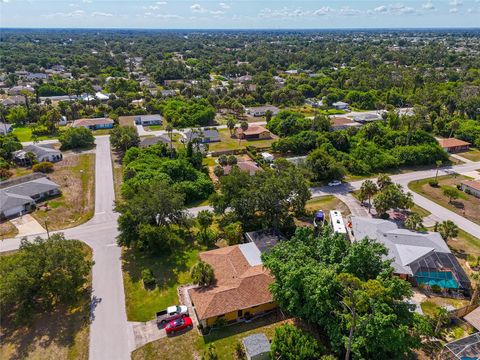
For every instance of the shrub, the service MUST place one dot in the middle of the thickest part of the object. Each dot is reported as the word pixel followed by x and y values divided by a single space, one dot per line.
pixel 240 351
pixel 436 288
pixel 5 174
pixel 75 138
pixel 221 322
pixel 43 167
pixel 148 278
pixel 433 183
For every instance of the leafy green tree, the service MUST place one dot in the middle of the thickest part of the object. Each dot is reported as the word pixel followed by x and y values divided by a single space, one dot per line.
pixel 448 229
pixel 307 262
pixel 8 144
pixel 202 274
pixel 50 120
pixel 124 137
pixel 76 138
pixel 414 222
pixel 290 343
pixel 233 233
pixel 367 190
pixel 42 274
pixel 392 197
pixel 204 219
pixel 17 115
pixel 383 181
pixel 451 193
pixel 324 166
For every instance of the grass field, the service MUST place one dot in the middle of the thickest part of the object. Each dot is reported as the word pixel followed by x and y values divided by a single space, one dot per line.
pixel 472 154
pixel 229 143
pixel 170 271
pixel 24 133
pixel 466 205
pixel 62 334
pixel 191 345
pixel 75 175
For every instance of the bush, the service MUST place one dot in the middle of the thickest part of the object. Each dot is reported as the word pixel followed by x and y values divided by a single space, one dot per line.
pixel 148 278
pixel 436 288
pixel 43 167
pixel 433 183
pixel 5 174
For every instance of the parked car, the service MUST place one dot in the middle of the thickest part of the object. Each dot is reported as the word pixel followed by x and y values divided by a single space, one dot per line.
pixel 171 313
pixel 178 325
pixel 335 183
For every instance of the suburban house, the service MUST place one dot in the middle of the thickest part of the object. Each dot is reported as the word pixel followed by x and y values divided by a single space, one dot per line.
pixel 94 124
pixel 262 110
pixel 367 117
pixel 147 120
pixel 340 105
pixel 257 347
pixel 17 90
pixel 254 132
pixel 241 288
pixel 422 258
pixel 42 153
pixel 149 141
pixel 248 166
pixel 167 93
pixel 342 123
pixel 471 187
pixel 5 128
pixel 202 136
pixel 19 195
pixel 13 100
pixel 452 145
pixel 466 348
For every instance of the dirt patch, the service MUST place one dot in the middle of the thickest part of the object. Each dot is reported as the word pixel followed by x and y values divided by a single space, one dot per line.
pixel 76 177
pixel 7 230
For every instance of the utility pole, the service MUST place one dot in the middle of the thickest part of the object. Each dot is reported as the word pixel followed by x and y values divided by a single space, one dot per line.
pixel 46 228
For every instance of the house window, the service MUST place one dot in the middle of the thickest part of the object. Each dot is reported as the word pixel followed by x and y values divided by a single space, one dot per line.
pixel 240 313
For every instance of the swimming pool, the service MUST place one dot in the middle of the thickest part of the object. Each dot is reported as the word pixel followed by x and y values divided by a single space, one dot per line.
pixel 444 279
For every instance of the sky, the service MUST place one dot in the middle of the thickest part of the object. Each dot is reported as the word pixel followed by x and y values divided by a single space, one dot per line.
pixel 239 14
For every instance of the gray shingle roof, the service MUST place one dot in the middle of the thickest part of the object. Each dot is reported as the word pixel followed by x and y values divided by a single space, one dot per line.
pixel 39 151
pixel 404 246
pixel 32 188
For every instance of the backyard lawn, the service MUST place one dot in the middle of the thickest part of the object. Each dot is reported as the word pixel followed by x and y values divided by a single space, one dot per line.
pixel 229 143
pixel 325 203
pixel 24 133
pixel 170 271
pixel 191 345
pixel 466 205
pixel 75 175
pixel 60 334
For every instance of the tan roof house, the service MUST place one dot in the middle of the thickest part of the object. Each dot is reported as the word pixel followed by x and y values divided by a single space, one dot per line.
pixel 241 287
pixel 453 145
pixel 94 124
pixel 471 187
pixel 254 132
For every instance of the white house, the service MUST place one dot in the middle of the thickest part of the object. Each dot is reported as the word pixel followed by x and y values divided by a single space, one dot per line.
pixel 340 105
pixel 471 187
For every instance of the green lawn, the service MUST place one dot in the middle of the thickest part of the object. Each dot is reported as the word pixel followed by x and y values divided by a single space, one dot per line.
pixel 170 271
pixel 229 143
pixel 420 211
pixel 24 134
pixel 472 154
pixel 154 127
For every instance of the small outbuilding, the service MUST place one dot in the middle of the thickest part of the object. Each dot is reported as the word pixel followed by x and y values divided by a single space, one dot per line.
pixel 257 347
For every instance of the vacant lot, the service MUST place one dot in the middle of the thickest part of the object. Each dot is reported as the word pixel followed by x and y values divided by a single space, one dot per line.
pixel 191 345
pixel 229 143
pixel 117 173
pixel 466 205
pixel 170 271
pixel 24 133
pixel 60 334
pixel 75 175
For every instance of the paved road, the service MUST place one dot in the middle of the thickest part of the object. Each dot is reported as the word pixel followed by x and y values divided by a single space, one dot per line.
pixel 110 335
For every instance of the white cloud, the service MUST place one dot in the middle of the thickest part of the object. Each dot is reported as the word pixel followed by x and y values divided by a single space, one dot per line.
pixel 348 11
pixel 4 1
pixel 224 6
pixel 197 8
pixel 428 6
pixel 87 1
pixel 381 9
pixel 456 3
pixel 454 10
pixel 76 13
pixel 161 3
pixel 325 10
pixel 217 12
pixel 99 13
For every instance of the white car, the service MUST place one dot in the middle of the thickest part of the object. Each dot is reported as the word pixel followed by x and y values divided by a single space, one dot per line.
pixel 335 183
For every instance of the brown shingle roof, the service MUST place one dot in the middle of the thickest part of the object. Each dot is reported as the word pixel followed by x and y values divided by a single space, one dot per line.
pixel 252 130
pixel 338 121
pixel 247 166
pixel 91 122
pixel 452 142
pixel 238 284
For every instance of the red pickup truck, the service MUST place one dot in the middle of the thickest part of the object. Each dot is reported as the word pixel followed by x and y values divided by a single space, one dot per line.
pixel 178 325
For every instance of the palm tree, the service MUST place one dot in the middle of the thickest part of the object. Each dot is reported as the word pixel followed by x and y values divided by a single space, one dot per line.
pixel 414 221
pixel 383 181
pixel 475 276
pixel 448 229
pixel 231 122
pixel 368 189
pixel 442 318
pixel 169 129
pixel 202 274
pixel 438 163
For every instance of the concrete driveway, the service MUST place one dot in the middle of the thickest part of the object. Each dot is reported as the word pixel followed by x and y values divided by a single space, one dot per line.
pixel 27 225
